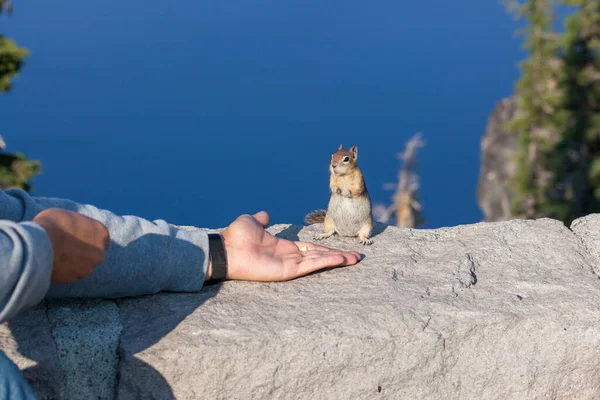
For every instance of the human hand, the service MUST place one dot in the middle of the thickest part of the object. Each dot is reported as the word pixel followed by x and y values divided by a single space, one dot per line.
pixel 79 243
pixel 253 254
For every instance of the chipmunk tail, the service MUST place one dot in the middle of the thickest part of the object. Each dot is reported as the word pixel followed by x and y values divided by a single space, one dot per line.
pixel 315 217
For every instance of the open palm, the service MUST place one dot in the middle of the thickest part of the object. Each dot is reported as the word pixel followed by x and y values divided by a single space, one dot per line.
pixel 253 254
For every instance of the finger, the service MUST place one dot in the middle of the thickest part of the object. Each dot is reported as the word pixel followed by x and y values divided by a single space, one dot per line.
pixel 262 217
pixel 104 236
pixel 320 253
pixel 312 264
pixel 87 258
pixel 334 251
pixel 308 246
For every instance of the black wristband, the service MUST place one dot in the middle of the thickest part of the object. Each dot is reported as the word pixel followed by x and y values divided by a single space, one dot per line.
pixel 217 255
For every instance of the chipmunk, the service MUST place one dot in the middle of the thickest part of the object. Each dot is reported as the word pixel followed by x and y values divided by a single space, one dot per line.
pixel 349 212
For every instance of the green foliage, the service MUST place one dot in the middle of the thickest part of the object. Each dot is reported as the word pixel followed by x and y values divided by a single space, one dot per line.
pixel 11 60
pixel 578 168
pixel 16 171
pixel 537 100
pixel 11 56
pixel 558 123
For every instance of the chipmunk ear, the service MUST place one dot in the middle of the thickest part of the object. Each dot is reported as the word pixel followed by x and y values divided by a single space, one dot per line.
pixel 341 147
pixel 354 151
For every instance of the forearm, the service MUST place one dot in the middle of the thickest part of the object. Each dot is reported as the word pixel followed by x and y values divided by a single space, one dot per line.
pixel 144 257
pixel 25 267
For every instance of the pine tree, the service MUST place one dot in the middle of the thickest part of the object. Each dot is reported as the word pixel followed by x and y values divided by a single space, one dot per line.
pixel 538 97
pixel 16 171
pixel 577 164
pixel 11 60
pixel 406 205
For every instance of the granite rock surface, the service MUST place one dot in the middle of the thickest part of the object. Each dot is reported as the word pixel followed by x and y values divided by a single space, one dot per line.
pixel 503 310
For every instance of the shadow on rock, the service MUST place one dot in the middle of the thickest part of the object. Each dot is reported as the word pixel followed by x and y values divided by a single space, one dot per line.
pixel 31 330
pixel 145 320
pixel 290 233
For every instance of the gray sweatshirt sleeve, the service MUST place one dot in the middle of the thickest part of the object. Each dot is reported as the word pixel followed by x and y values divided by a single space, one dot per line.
pixel 25 266
pixel 144 257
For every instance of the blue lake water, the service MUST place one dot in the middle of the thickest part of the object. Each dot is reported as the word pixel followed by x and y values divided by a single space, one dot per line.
pixel 198 111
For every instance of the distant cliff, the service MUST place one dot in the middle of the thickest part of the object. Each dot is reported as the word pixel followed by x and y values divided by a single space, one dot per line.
pixel 498 148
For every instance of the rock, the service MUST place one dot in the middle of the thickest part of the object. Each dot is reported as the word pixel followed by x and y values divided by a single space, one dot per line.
pixel 87 335
pixel 27 341
pixel 506 310
pixel 588 230
pixel 498 149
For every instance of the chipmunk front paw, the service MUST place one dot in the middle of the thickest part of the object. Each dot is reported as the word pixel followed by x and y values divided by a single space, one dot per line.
pixel 366 241
pixel 347 193
pixel 336 190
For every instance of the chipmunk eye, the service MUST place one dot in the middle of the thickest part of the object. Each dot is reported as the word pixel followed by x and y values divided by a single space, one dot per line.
pixel 346 159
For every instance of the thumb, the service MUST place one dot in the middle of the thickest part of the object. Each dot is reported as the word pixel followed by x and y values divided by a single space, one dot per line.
pixel 262 217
